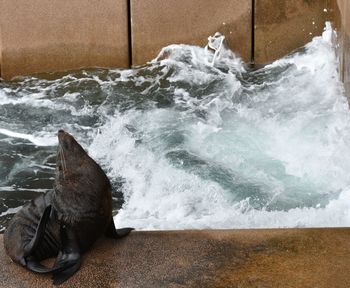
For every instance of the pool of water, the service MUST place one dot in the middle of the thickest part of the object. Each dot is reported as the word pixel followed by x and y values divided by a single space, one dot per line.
pixel 190 141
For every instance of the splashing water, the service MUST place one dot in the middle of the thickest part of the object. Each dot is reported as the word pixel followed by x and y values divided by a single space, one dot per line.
pixel 194 139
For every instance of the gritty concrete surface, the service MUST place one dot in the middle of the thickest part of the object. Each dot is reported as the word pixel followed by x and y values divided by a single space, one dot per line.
pixel 158 23
pixel 344 17
pixel 282 26
pixel 0 50
pixel 209 258
pixel 44 36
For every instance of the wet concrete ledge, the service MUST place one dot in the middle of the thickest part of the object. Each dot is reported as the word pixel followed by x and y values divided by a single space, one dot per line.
pixel 207 258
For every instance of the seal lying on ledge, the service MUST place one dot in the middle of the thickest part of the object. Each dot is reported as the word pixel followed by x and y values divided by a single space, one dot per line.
pixel 64 222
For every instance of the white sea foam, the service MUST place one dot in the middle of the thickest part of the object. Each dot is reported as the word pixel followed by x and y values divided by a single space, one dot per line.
pixel 290 137
pixel 10 211
pixel 36 140
pixel 227 152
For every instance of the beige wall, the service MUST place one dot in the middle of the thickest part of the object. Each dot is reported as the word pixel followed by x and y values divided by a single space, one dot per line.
pixel 42 36
pixel 284 25
pixel 344 7
pixel 0 47
pixel 158 23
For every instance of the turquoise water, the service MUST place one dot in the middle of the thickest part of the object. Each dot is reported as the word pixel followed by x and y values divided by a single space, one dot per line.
pixel 191 141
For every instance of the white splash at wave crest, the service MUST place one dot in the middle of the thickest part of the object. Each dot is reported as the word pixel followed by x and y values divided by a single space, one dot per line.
pixel 225 151
pixel 290 137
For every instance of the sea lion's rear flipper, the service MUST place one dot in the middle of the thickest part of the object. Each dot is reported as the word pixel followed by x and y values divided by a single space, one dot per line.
pixel 117 233
pixel 39 233
pixel 122 232
pixel 36 266
pixel 68 260
pixel 60 277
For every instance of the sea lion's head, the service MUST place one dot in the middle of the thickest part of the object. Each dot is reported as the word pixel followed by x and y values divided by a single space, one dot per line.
pixel 74 167
pixel 70 156
pixel 68 144
pixel 79 182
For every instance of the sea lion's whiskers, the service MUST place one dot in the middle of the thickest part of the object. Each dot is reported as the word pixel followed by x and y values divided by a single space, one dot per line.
pixel 60 154
pixel 63 159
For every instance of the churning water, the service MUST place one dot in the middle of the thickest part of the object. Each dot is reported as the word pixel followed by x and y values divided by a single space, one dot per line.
pixel 189 141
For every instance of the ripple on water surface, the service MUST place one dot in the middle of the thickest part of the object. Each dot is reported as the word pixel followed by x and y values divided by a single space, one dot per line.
pixel 188 144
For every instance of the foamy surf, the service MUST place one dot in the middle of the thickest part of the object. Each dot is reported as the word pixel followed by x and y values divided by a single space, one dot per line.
pixel 38 141
pixel 195 139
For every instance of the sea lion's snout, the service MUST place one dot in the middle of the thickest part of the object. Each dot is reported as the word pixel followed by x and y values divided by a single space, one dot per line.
pixel 65 140
pixel 68 144
pixel 64 136
pixel 61 133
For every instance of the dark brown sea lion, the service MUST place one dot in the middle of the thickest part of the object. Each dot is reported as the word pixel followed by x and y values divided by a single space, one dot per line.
pixel 64 222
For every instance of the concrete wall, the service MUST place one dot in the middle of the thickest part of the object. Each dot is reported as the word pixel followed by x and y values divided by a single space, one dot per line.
pixel 0 46
pixel 344 7
pixel 41 36
pixel 282 26
pixel 0 39
pixel 158 23
pixel 0 52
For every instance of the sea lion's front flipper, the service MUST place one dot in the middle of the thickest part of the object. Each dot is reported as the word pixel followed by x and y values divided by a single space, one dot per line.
pixel 117 233
pixel 68 260
pixel 31 262
pixel 39 233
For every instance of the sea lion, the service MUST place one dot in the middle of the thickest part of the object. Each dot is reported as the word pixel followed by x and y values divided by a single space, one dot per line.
pixel 66 221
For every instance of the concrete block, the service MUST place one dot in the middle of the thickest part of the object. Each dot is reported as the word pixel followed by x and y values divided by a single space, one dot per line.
pixel 282 26
pixel 212 258
pixel 344 7
pixel 0 45
pixel 158 23
pixel 56 35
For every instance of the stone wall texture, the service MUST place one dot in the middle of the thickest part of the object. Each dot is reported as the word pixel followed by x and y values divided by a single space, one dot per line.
pixel 282 26
pixel 266 258
pixel 56 35
pixel 43 36
pixel 158 23
pixel 344 19
pixel 0 44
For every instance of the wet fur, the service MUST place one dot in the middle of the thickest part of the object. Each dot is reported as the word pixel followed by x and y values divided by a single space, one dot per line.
pixel 64 222
pixel 22 228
